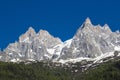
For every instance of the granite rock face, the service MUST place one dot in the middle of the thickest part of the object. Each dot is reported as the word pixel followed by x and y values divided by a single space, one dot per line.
pixel 90 41
pixel 32 46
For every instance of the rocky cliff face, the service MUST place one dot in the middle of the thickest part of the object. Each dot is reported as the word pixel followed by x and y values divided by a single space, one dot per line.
pixel 89 41
pixel 32 46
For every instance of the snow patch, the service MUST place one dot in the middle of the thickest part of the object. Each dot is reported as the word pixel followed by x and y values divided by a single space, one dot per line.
pixel 95 60
pixel 75 60
pixel 48 56
pixel 108 54
pixel 15 60
pixel 51 51
pixel 30 59
pixel 58 48
pixel 117 48
pixel 25 40
pixel 10 53
pixel 19 54
pixel 68 43
pixel 39 47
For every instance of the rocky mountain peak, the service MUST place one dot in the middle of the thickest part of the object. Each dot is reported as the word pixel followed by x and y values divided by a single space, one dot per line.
pixel 87 21
pixel 28 34
pixel 86 28
pixel 90 41
pixel 47 39
pixel 86 25
pixel 107 28
pixel 43 33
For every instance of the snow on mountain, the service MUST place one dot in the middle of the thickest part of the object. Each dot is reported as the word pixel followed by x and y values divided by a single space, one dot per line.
pixel 32 45
pixel 67 43
pixel 117 48
pixel 75 60
pixel 58 49
pixel 90 42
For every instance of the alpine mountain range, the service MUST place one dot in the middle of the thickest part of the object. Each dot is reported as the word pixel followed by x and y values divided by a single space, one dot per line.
pixel 90 42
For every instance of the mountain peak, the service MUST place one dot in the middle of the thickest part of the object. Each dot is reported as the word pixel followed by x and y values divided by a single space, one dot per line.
pixel 107 28
pixel 87 21
pixel 43 31
pixel 31 30
pixel 87 24
pixel 90 41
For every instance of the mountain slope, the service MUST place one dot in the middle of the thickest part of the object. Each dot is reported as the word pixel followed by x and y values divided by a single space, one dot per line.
pixel 41 71
pixel 90 42
pixel 32 46
pixel 106 71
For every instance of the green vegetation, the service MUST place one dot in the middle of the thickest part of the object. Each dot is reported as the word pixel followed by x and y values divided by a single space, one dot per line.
pixel 40 71
pixel 106 71
pixel 33 71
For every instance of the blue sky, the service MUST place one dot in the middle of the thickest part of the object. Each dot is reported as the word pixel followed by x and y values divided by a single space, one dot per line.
pixel 60 17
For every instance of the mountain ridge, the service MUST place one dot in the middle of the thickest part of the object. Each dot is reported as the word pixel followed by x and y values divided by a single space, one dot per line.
pixel 89 42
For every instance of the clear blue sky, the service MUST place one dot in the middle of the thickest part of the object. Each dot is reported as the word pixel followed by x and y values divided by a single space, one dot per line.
pixel 60 17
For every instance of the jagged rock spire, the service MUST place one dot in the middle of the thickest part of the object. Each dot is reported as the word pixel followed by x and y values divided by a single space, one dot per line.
pixel 86 26
pixel 90 42
pixel 107 28
pixel 43 33
pixel 29 33
pixel 87 21
pixel 47 39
